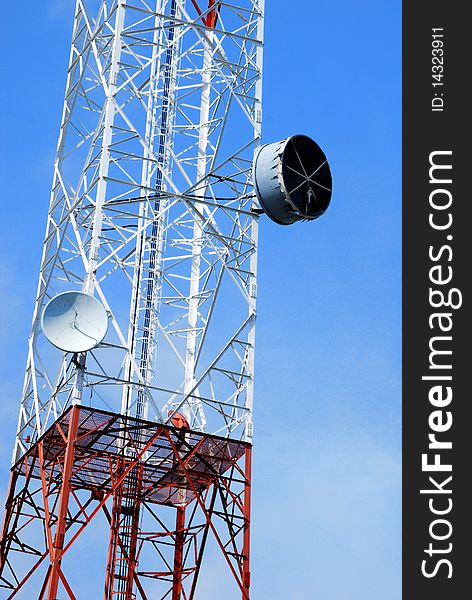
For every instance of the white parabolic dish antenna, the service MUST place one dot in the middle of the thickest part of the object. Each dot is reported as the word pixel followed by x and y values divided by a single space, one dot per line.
pixel 74 321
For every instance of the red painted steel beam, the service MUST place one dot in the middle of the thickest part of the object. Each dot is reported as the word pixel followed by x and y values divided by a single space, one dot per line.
pixel 202 546
pixel 5 539
pixel 178 553
pixel 247 523
pixel 58 544
pixel 212 12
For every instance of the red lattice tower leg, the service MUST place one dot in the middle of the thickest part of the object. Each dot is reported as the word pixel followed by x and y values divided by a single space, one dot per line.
pixel 179 553
pixel 55 572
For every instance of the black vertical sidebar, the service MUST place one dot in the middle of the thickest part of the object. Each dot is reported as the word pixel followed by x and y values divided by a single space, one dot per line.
pixel 437 332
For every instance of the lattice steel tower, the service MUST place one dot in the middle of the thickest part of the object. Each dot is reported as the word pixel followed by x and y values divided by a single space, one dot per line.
pixel 153 213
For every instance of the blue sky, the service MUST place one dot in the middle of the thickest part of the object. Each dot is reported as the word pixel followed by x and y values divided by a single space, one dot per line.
pixel 326 515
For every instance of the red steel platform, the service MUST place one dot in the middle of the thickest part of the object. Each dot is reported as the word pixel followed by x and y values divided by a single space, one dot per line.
pixel 105 439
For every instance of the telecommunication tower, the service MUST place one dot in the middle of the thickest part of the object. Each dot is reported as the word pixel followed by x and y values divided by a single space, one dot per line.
pixel 138 393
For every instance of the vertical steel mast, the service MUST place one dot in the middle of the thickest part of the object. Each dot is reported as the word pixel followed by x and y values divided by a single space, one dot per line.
pixel 153 212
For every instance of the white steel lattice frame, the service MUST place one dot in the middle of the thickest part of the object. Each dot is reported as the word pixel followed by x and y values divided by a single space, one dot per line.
pixel 152 210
